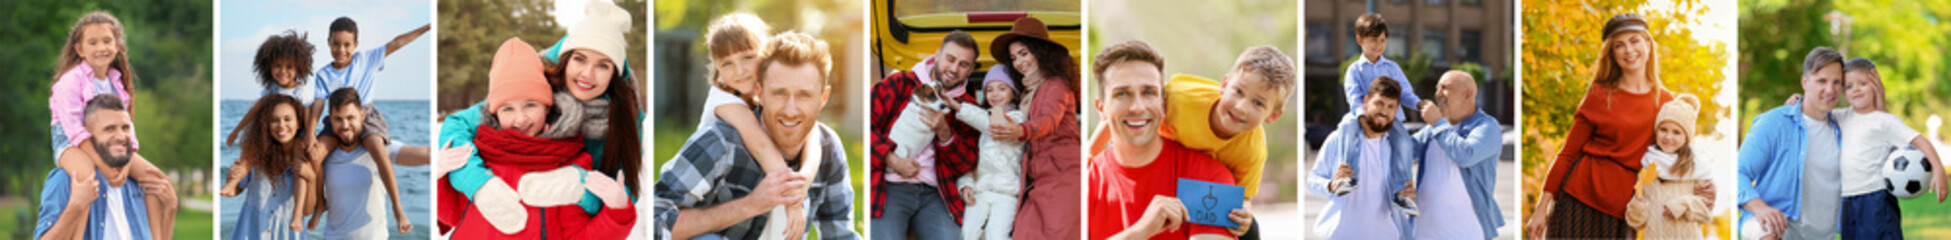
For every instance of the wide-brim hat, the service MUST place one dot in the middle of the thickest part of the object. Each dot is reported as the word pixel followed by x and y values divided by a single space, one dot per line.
pixel 1026 29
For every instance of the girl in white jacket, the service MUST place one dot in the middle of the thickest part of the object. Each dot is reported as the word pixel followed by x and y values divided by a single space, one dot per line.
pixel 999 174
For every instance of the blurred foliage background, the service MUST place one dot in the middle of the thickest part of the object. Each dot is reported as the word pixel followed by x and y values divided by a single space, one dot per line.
pixel 1202 47
pixel 682 62
pixel 1906 39
pixel 168 43
pixel 1559 56
pixel 471 30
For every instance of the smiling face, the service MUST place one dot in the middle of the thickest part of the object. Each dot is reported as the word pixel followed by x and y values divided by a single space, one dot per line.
pixel 999 93
pixel 1023 61
pixel 739 70
pixel 98 46
pixel 343 43
pixel 1248 100
pixel 792 97
pixel 1631 50
pixel 348 121
pixel 526 116
pixel 588 74
pixel 286 72
pixel 1820 88
pixel 1373 46
pixel 953 63
pixel 112 133
pixel 283 123
pixel 1862 88
pixel 1670 136
pixel 1379 113
pixel 1133 103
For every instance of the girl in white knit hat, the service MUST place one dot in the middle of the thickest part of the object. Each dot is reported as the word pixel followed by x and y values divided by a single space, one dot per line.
pixel 1666 207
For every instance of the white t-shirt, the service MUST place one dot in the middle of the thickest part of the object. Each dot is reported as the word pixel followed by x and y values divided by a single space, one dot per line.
pixel 1867 141
pixel 118 216
pixel 1821 181
pixel 1368 211
pixel 1446 206
pixel 714 98
pixel 304 92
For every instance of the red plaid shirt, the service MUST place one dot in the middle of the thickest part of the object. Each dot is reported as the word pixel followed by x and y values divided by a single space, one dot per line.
pixel 890 97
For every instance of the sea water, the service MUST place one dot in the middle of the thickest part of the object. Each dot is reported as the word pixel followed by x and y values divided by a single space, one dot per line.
pixel 408 122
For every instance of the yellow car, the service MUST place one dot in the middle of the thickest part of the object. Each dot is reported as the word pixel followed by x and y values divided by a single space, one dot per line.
pixel 907 32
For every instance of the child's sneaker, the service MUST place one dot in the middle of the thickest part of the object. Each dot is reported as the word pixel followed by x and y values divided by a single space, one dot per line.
pixel 1347 186
pixel 1407 206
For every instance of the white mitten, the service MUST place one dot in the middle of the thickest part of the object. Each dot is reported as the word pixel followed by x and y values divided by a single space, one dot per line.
pixel 501 206
pixel 562 186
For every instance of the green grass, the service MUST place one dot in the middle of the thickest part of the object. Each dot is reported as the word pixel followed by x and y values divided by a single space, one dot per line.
pixel 17 229
pixel 194 224
pixel 669 139
pixel 190 223
pixel 1925 218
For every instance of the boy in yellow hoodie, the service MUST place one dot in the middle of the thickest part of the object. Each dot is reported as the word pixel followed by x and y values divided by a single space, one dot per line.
pixel 1223 118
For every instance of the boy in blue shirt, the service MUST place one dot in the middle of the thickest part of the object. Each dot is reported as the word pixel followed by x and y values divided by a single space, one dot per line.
pixel 1373 34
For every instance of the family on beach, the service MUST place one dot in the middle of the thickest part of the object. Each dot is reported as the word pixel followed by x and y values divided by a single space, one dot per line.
pixel 286 170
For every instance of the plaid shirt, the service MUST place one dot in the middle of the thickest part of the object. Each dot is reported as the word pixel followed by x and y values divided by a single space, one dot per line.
pixel 951 161
pixel 714 168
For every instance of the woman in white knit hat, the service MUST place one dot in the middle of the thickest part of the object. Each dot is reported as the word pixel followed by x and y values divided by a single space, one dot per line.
pixel 1667 208
pixel 588 70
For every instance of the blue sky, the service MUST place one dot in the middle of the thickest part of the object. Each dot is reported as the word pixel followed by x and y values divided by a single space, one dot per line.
pixel 244 24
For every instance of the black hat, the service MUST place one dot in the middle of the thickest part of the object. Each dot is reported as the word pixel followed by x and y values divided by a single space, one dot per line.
pixel 1624 22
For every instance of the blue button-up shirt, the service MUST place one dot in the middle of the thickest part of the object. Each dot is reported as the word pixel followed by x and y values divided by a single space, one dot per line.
pixel 1772 155
pixel 1354 83
pixel 1344 146
pixel 1474 144
pixel 54 199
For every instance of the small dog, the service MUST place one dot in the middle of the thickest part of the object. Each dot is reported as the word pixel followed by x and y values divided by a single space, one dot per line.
pixel 909 135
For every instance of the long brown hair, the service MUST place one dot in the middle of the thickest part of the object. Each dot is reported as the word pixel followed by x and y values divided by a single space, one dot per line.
pixel 267 154
pixel 621 149
pixel 1607 72
pixel 1052 60
pixel 69 58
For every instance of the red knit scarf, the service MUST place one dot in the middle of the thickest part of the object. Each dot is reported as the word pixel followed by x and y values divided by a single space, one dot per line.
pixel 511 153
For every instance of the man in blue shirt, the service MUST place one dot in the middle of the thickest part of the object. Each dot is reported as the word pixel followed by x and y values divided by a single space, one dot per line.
pixel 109 205
pixel 1459 152
pixel 1790 184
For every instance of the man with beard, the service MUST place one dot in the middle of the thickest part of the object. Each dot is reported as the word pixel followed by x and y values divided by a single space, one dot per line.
pixel 714 189
pixel 1790 170
pixel 918 195
pixel 1363 169
pixel 111 204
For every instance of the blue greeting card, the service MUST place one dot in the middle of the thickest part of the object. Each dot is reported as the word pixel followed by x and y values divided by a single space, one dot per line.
pixel 1209 202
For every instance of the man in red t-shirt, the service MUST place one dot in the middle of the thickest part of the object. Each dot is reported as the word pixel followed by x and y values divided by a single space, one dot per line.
pixel 1134 182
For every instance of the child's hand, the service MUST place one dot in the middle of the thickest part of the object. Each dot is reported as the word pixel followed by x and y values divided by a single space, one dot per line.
pixel 1244 218
pixel 968 195
pixel 1792 99
pixel 452 158
pixel 83 190
pixel 606 189
pixel 795 221
pixel 405 225
pixel 1937 185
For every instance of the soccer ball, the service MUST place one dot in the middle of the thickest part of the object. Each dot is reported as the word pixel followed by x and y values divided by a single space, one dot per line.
pixel 1907 173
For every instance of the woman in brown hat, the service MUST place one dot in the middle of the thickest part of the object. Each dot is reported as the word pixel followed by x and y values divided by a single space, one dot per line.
pixel 1047 76
pixel 1599 162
